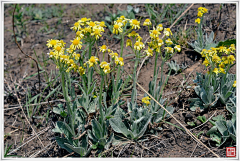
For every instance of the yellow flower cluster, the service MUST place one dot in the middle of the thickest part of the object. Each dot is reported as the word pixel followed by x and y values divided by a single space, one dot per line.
pixel 146 100
pixel 57 54
pixel 119 24
pixel 86 27
pixel 214 58
pixel 201 12
pixel 85 30
pixel 105 66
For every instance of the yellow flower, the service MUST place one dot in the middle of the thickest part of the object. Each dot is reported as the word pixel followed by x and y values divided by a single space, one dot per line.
pixel 169 42
pixel 231 59
pixel 133 34
pixel 227 51
pixel 178 48
pixel 232 47
pixel 235 84
pixel 167 31
pixel 91 24
pixel 51 54
pixel 52 43
pixel 215 70
pixel 114 55
pixel 76 26
pixel 203 9
pixel 117 28
pixel 147 22
pixel 76 56
pixel 221 65
pixel 160 42
pixel 64 58
pixel 203 52
pixel 103 64
pixel 102 24
pixel 76 43
pixel 200 14
pixel 128 43
pixel 103 48
pixel 169 49
pixel 84 20
pixel 92 61
pixel 216 59
pixel 221 48
pixel 62 43
pixel 81 70
pixel 149 52
pixel 106 68
pixel 154 33
pixel 206 62
pixel 222 70
pixel 97 33
pixel 198 20
pixel 159 27
pixel 135 24
pixel 123 20
pixel 119 61
pixel 139 45
pixel 146 100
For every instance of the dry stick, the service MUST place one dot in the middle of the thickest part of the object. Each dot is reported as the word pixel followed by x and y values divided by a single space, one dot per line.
pixel 193 136
pixel 68 155
pixel 62 100
pixel 26 116
pixel 204 122
pixel 27 141
pixel 164 35
pixel 36 154
pixel 22 50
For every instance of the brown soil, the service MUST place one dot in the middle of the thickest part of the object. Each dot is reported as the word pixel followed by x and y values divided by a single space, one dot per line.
pixel 170 142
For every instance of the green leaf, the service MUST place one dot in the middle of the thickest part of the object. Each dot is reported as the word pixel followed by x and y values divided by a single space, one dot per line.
pixel 97 129
pixel 79 150
pixel 61 142
pixel 52 92
pixel 65 129
pixel 143 128
pixel 58 109
pixel 34 75
pixel 227 43
pixel 221 127
pixel 216 137
pixel 191 123
pixel 212 130
pixel 119 127
pixel 202 119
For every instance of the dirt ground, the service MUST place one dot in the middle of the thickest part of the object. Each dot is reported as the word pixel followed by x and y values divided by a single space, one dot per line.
pixel 170 142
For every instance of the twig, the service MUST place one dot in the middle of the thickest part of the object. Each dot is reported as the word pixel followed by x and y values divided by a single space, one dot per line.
pixel 68 155
pixel 121 150
pixel 36 154
pixel 203 123
pixel 62 100
pixel 27 141
pixel 193 136
pixel 194 150
pixel 80 135
pixel 22 50
pixel 19 101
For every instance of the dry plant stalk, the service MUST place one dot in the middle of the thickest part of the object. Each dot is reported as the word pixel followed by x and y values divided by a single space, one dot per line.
pixel 24 52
